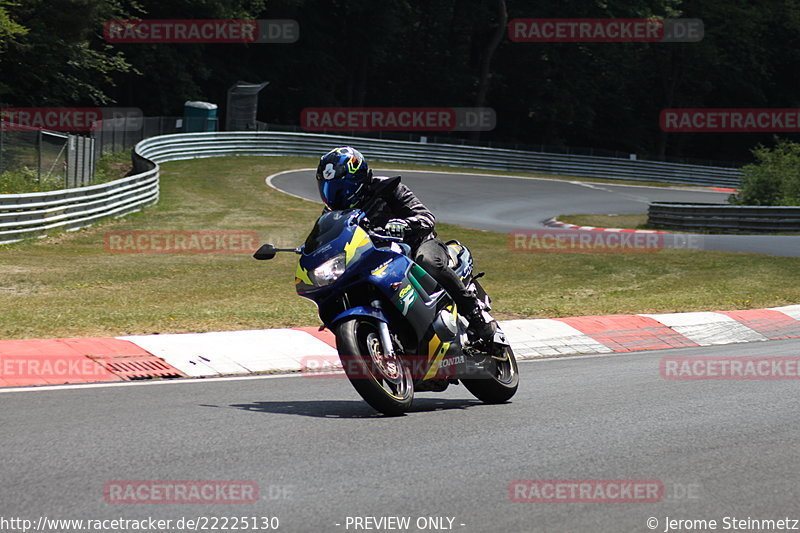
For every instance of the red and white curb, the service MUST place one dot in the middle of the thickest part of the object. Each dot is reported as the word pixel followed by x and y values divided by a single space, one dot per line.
pixel 624 333
pixel 239 352
pixel 555 223
pixel 59 361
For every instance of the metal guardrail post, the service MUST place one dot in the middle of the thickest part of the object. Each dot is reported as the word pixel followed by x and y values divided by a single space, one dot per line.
pixel 39 143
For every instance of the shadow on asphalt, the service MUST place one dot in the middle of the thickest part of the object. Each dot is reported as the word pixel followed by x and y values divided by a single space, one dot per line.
pixel 349 409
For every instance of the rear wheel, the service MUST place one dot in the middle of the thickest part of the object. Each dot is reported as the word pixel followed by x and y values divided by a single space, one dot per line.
pixel 382 380
pixel 502 385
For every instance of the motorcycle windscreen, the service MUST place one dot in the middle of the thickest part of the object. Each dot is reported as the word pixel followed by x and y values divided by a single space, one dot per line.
pixel 329 226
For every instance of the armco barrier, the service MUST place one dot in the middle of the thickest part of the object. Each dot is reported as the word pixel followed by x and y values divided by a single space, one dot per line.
pixel 724 218
pixel 23 216
pixel 31 215
pixel 187 146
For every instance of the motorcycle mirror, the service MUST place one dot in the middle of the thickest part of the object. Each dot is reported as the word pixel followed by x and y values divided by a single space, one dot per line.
pixel 265 253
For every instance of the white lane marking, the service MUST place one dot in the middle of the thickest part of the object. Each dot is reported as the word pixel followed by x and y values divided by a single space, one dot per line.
pixel 180 381
pixel 268 180
pixel 632 197
pixel 590 185
pixel 566 179
pixel 553 358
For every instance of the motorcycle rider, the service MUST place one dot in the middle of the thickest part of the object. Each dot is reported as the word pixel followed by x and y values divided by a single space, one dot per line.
pixel 345 181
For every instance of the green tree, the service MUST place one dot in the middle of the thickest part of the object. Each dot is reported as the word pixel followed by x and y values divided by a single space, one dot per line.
pixel 8 27
pixel 60 59
pixel 775 177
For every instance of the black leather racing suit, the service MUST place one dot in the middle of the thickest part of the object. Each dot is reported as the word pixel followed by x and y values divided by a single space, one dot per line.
pixel 387 198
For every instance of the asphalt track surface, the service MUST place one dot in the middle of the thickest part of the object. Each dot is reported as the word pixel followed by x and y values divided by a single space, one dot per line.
pixel 504 204
pixel 319 454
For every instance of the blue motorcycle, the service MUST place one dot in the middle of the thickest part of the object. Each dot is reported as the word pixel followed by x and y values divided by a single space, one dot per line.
pixel 397 331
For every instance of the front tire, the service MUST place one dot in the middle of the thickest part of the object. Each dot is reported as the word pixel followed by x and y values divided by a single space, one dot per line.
pixel 500 387
pixel 383 381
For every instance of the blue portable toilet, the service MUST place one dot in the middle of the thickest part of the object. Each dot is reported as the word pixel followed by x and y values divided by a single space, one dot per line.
pixel 199 117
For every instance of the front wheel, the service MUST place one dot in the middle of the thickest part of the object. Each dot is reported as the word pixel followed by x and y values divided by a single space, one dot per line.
pixel 502 385
pixel 382 380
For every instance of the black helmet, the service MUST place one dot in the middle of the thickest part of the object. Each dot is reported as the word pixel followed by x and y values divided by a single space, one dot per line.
pixel 342 178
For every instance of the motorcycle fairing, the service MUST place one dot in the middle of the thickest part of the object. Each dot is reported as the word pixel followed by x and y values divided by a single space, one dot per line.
pixel 361 310
pixel 429 310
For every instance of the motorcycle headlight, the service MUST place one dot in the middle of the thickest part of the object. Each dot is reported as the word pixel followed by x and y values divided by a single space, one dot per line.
pixel 329 271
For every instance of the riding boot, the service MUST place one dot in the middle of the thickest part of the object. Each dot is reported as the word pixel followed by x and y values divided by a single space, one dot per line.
pixel 481 329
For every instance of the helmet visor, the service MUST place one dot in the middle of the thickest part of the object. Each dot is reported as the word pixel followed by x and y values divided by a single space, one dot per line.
pixel 339 193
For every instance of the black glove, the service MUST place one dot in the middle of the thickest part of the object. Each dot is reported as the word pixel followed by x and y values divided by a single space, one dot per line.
pixel 397 227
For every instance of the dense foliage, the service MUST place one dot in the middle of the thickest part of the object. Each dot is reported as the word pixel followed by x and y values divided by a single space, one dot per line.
pixel 423 53
pixel 775 177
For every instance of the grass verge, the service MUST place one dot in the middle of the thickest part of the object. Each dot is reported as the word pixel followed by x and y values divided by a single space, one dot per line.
pixel 69 285
pixel 27 180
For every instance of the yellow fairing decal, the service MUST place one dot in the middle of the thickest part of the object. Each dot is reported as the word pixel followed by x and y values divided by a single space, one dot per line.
pixel 360 238
pixel 433 345
pixel 380 270
pixel 301 276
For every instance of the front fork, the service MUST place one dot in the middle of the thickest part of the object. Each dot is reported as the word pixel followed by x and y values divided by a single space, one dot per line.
pixel 383 331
